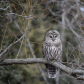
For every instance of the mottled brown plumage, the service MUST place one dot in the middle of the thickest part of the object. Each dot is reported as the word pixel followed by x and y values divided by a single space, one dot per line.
pixel 52 51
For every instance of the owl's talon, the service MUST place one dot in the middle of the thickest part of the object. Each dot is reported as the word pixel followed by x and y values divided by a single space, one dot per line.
pixel 54 60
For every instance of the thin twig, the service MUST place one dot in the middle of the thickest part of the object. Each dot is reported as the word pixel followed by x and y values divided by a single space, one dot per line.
pixel 11 45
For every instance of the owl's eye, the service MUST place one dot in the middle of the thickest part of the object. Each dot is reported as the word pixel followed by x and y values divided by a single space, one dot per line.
pixel 55 36
pixel 50 36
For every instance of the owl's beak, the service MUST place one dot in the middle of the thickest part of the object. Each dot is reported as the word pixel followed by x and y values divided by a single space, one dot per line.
pixel 53 39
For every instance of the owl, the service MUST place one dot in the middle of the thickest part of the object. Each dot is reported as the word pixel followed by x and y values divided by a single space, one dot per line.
pixel 52 51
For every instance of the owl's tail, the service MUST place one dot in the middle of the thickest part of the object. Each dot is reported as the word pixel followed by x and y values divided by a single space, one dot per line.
pixel 52 71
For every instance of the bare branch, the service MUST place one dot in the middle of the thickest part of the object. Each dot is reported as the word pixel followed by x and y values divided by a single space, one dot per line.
pixel 11 45
pixel 27 17
pixel 73 72
pixel 5 8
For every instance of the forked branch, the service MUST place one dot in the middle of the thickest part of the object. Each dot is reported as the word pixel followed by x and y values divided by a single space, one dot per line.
pixel 76 73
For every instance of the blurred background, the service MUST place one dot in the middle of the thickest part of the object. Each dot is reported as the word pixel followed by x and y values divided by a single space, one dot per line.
pixel 23 24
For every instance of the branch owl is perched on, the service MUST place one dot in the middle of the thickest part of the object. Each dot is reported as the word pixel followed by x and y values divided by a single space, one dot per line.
pixel 52 51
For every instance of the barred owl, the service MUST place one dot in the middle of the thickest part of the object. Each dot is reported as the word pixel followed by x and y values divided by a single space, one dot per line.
pixel 52 51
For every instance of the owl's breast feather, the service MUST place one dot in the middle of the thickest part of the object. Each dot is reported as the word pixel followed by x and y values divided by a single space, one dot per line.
pixel 53 47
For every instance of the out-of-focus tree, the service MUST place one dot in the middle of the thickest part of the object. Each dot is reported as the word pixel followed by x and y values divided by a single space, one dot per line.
pixel 23 24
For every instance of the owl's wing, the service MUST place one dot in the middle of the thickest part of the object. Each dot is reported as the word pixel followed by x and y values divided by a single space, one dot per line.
pixel 44 52
pixel 61 53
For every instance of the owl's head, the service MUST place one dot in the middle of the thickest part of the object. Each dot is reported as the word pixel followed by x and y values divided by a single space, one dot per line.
pixel 52 36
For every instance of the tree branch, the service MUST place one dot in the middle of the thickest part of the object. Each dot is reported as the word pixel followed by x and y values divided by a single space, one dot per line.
pixel 76 73
pixel 11 45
